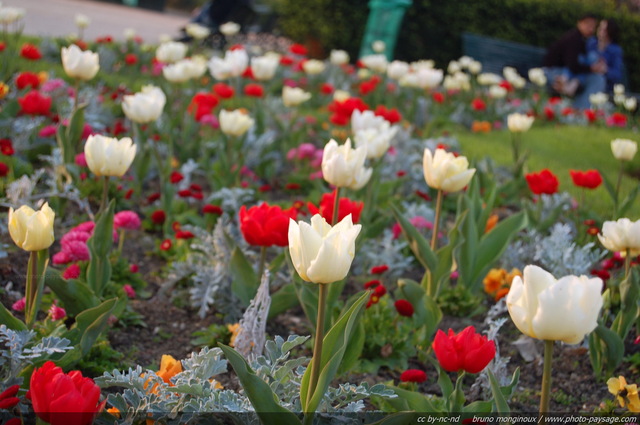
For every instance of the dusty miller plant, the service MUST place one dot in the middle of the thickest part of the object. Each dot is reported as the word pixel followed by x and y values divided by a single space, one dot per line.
pixel 558 253
pixel 18 350
pixel 193 394
pixel 251 337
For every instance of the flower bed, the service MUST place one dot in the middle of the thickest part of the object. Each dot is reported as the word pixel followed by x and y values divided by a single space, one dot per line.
pixel 314 225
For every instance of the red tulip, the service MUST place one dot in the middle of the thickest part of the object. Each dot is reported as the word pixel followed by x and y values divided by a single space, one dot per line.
pixel 543 182
pixel 33 103
pixel 65 399
pixel 468 350
pixel 266 225
pixel 223 90
pixel 6 147
pixel 298 49
pixel 589 179
pixel 27 79
pixel 202 104
pixel 392 115
pixel 478 104
pixel 31 52
pixel 346 207
pixel 254 90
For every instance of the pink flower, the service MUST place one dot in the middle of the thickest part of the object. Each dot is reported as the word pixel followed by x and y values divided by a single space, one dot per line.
pixel 74 235
pixel 52 85
pixel 210 120
pixel 48 131
pixel 20 304
pixel 306 150
pixel 77 251
pixel 133 268
pixel 62 257
pixel 87 226
pixel 71 272
pixel 127 220
pixel 292 154
pixel 56 312
pixel 128 289
pixel 80 160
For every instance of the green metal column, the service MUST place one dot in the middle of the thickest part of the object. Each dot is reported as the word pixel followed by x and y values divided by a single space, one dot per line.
pixel 385 17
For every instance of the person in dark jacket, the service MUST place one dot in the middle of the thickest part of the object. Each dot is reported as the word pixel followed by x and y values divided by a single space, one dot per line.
pixel 563 63
pixel 604 47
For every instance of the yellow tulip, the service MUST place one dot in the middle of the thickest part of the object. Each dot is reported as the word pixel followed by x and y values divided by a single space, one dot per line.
pixel 32 230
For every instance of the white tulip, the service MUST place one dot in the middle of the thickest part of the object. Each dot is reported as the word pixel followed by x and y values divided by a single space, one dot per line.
pixel 145 106
pixel 379 46
pixel 313 66
pixel 376 140
pixel 444 171
pixel 598 99
pixel 171 52
pixel 465 61
pixel 321 253
pixel 489 79
pixel 618 236
pixel 184 70
pixel 78 64
pixel 341 95
pixel 129 34
pixel 537 77
pixel 235 123
pixel 197 31
pixel 9 15
pixel 343 166
pixel 566 309
pixel 339 57
pixel 618 89
pixel 377 63
pixel 108 156
pixel 229 28
pixel 264 67
pixel 453 67
pixel 397 69
pixel 497 92
pixel 475 67
pixel 82 21
pixel 519 123
pixel 624 149
pixel 365 120
pixel 294 96
pixel 630 104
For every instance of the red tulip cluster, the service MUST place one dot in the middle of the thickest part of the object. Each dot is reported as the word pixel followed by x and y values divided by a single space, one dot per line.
pixel 467 350
pixel 589 179
pixel 543 182
pixel 266 225
pixel 345 207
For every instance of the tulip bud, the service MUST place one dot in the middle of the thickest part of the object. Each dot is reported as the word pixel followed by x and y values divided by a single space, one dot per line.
pixel 313 66
pixel 339 57
pixel 621 235
pixel 197 31
pixel 79 64
pixel 32 230
pixel 343 166
pixel 229 28
pixel 537 77
pixel 82 21
pixel 171 52
pixel 264 67
pixel 321 253
pixel 519 123
pixel 235 123
pixel 545 308
pixel 108 156
pixel 624 149
pixel 443 171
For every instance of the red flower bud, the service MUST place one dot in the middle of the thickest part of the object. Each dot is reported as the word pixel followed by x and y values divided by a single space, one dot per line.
pixel 413 375
pixel 404 308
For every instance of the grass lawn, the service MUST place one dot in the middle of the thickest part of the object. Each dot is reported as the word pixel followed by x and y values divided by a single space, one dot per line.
pixel 561 149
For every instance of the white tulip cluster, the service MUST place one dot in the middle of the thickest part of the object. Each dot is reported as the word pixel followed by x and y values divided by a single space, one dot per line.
pixel 343 166
pixel 234 63
pixel 372 132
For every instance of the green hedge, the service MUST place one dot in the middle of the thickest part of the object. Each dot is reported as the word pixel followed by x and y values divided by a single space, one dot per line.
pixel 432 28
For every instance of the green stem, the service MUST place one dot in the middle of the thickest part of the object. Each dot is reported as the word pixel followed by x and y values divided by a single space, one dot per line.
pixel 120 242
pixel 316 361
pixel 336 207
pixel 619 182
pixel 546 377
pixel 31 289
pixel 76 98
pixel 434 240
pixel 263 260
pixel 105 194
pixel 627 264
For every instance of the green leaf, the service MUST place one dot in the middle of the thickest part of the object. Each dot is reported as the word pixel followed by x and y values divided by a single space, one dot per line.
pixel 445 256
pixel 76 126
pixel 74 294
pixel 6 318
pixel 260 394
pixel 478 407
pixel 502 406
pixel 418 244
pixel 282 300
pixel 411 400
pixel 610 345
pixel 611 190
pixel 334 345
pixel 493 244
pixel 628 201
pixel 245 281
pixel 354 349
pixel 629 309
pixel 100 243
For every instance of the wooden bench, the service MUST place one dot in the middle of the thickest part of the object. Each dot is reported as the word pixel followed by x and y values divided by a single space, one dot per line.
pixel 495 53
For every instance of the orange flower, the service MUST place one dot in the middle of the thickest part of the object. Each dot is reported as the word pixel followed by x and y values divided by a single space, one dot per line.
pixel 4 89
pixel 114 412
pixel 169 367
pixel 481 126
pixel 235 330
pixel 491 222
pixel 513 273
pixel 502 292
pixel 494 280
